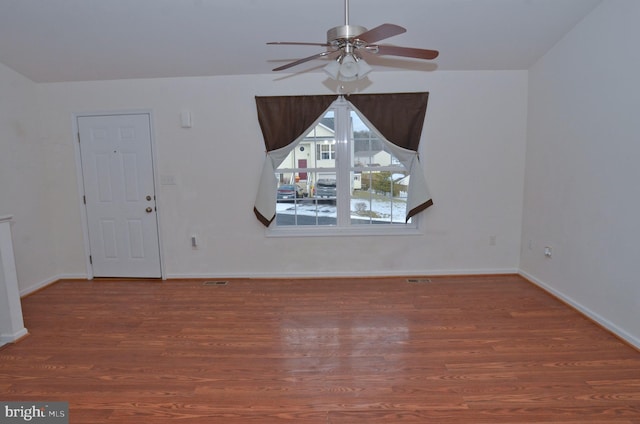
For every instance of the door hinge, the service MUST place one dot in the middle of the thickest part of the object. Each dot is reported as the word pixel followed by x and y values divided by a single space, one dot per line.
pixel 84 199
pixel 90 260
pixel 78 136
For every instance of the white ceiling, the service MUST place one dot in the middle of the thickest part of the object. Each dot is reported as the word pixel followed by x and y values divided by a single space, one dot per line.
pixel 79 40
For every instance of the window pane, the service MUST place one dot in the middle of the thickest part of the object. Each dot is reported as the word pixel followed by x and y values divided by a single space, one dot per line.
pixel 322 139
pixel 382 198
pixel 368 149
pixel 308 208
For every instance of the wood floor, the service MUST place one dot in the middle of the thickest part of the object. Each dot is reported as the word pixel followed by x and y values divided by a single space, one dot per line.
pixel 490 349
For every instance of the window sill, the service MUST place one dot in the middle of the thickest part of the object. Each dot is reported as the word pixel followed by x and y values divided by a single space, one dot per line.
pixel 341 232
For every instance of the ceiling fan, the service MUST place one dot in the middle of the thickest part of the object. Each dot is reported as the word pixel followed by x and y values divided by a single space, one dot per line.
pixel 349 43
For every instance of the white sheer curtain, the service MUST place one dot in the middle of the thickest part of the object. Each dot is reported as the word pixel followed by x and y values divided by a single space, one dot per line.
pixel 418 197
pixel 265 204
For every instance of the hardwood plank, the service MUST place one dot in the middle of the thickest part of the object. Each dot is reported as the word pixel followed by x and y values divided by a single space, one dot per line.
pixel 489 416
pixel 481 349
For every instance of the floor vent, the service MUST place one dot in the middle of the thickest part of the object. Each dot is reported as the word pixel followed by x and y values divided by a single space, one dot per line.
pixel 215 283
pixel 418 280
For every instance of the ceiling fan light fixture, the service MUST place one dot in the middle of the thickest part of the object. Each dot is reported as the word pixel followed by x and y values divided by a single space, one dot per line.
pixel 363 68
pixel 332 69
pixel 348 68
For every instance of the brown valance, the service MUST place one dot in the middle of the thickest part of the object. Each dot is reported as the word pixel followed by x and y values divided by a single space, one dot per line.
pixel 398 116
pixel 285 118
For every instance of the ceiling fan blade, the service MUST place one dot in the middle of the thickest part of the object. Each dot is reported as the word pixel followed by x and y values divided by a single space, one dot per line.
pixel 404 51
pixel 381 32
pixel 303 60
pixel 298 43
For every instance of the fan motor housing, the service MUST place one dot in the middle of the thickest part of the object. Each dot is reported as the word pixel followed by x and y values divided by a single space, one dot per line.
pixel 344 32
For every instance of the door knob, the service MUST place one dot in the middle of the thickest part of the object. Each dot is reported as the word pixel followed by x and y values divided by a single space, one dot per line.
pixel 149 209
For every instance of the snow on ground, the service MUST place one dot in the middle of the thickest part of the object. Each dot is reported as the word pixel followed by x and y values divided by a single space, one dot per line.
pixel 384 209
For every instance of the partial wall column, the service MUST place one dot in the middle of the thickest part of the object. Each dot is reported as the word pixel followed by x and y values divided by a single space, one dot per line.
pixel 11 322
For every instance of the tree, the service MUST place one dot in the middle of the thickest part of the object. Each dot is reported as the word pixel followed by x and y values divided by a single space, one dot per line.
pixel 381 182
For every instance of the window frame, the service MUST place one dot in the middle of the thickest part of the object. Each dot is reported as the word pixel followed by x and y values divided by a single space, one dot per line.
pixel 344 168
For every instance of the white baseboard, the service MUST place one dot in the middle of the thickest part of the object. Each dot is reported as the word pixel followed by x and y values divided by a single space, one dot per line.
pixel 10 338
pixel 432 272
pixel 619 332
pixel 42 284
pixel 481 271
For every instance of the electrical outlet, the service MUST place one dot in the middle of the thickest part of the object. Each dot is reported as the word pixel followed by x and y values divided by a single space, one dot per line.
pixel 547 251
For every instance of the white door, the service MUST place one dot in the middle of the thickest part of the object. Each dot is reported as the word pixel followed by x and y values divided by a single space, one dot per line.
pixel 117 171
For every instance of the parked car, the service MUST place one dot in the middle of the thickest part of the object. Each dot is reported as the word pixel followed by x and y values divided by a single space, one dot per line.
pixel 290 192
pixel 326 188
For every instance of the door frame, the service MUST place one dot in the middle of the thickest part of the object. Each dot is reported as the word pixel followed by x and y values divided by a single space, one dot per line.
pixel 80 181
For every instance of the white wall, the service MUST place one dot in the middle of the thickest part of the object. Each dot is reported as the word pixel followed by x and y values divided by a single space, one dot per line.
pixel 582 172
pixel 576 109
pixel 24 180
pixel 473 150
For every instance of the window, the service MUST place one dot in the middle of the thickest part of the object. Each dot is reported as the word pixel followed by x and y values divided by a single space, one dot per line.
pixel 350 179
pixel 336 172
pixel 326 150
